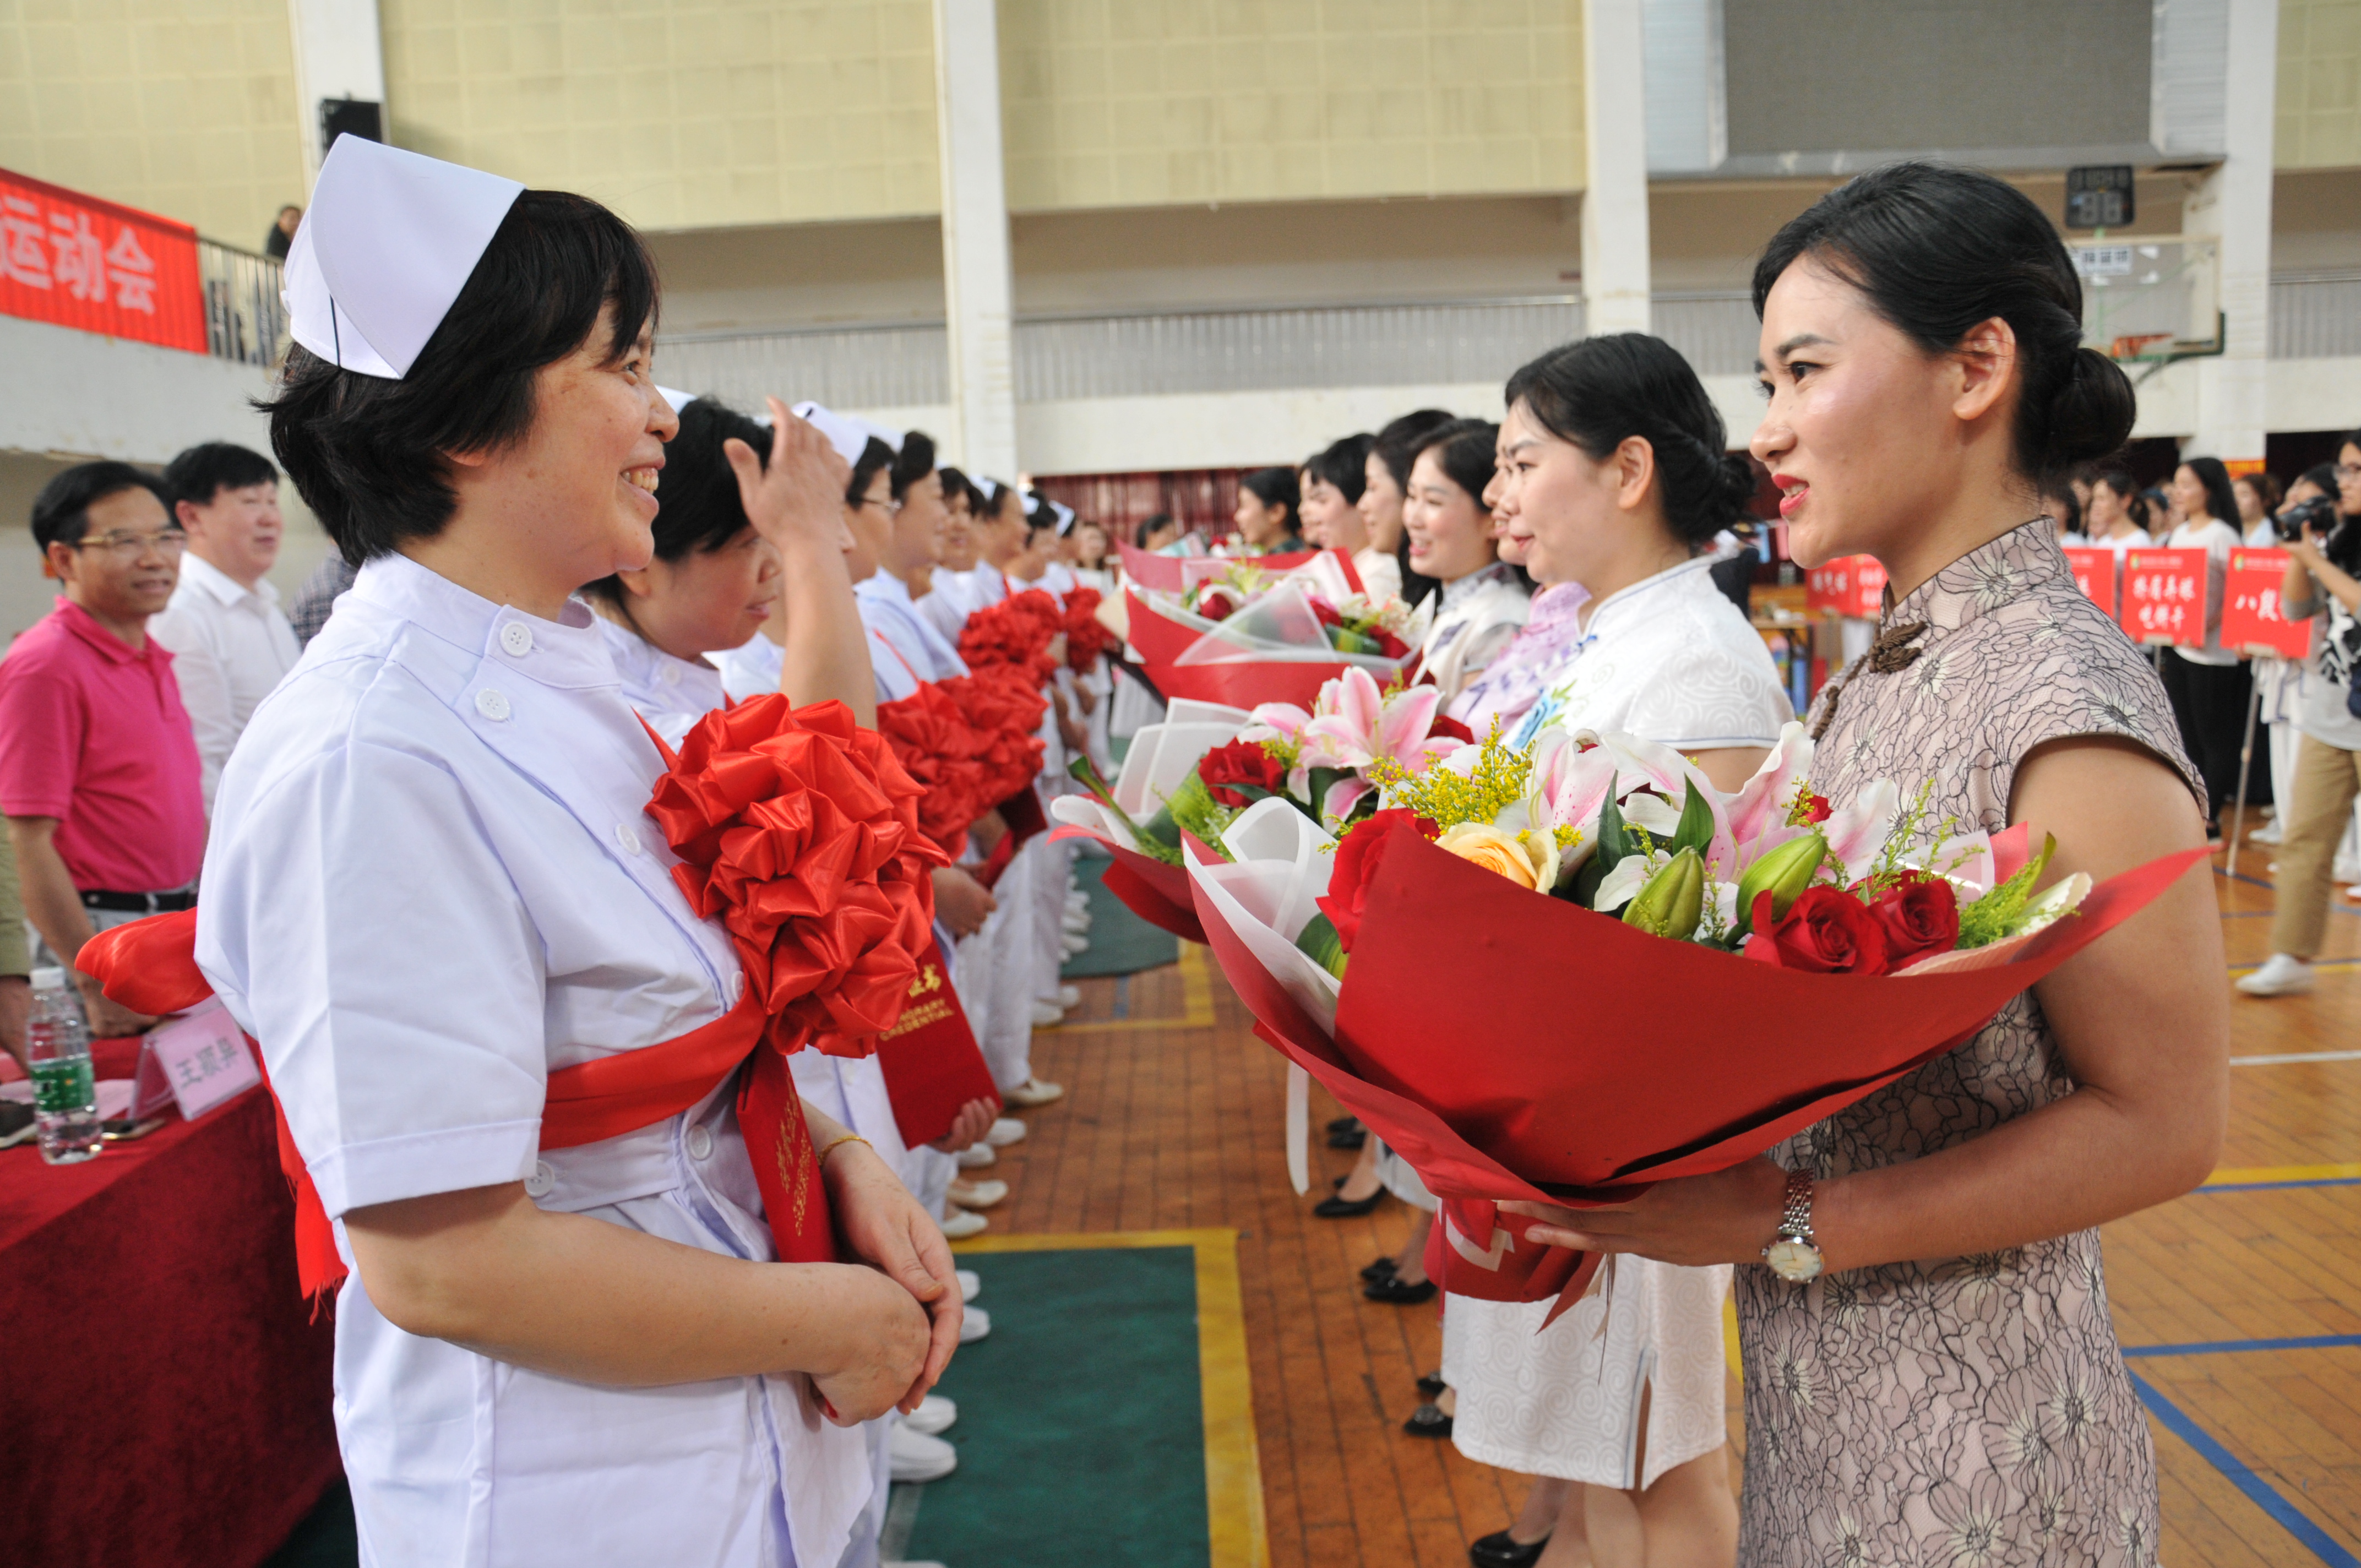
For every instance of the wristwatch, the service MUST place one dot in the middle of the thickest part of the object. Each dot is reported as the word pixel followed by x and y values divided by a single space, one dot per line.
pixel 1793 1255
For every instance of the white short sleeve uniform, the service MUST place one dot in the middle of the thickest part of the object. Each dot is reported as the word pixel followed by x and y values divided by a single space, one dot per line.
pixel 887 609
pixel 1669 658
pixel 671 694
pixel 431 883
pixel 752 669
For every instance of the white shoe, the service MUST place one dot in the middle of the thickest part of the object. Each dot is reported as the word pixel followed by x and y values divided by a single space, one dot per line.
pixel 1005 1130
pixel 1078 900
pixel 2266 835
pixel 917 1457
pixel 1070 997
pixel 2282 976
pixel 971 1285
pixel 1074 947
pixel 978 1194
pixel 933 1416
pixel 1048 1014
pixel 976 1156
pixel 974 1325
pixel 2353 893
pixel 1034 1091
pixel 1076 924
pixel 959 1224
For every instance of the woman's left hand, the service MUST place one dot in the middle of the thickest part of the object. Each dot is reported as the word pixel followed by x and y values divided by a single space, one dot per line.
pixel 1696 1221
pixel 885 1229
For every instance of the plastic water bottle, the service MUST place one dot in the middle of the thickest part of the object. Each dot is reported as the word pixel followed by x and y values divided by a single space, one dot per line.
pixel 65 1096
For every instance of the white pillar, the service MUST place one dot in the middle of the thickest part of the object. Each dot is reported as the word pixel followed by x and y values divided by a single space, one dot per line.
pixel 1615 282
pixel 983 436
pixel 338 54
pixel 2233 206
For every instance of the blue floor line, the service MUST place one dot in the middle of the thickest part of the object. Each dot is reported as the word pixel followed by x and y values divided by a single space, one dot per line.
pixel 1122 996
pixel 2233 1346
pixel 2275 1186
pixel 2340 905
pixel 2265 1495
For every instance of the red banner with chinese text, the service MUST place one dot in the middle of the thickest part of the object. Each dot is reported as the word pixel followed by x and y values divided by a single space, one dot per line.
pixel 2164 596
pixel 81 262
pixel 2094 574
pixel 2251 621
pixel 1850 585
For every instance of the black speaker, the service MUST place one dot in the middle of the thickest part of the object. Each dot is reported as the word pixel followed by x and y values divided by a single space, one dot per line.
pixel 349 117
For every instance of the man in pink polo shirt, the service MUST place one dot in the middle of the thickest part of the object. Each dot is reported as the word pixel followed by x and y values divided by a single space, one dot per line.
pixel 99 777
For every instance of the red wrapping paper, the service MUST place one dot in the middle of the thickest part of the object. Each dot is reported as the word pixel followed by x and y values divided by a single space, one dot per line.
pixel 1515 1047
pixel 1150 570
pixel 1155 891
pixel 1243 684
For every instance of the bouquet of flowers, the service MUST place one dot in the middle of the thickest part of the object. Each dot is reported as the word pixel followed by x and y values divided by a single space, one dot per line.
pixel 1248 635
pixel 1203 768
pixel 1607 869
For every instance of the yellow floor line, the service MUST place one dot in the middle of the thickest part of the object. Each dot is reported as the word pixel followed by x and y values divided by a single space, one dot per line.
pixel 1196 1003
pixel 2284 1173
pixel 1236 1529
pixel 1730 1339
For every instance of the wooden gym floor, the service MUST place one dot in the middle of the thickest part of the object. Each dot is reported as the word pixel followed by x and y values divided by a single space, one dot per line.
pixel 2239 1305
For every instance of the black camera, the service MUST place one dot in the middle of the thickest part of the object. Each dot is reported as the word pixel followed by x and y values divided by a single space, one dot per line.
pixel 2317 517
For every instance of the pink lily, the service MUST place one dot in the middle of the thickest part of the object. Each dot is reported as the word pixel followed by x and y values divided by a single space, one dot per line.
pixel 1354 724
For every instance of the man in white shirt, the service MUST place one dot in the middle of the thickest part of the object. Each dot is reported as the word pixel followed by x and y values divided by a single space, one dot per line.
pixel 230 644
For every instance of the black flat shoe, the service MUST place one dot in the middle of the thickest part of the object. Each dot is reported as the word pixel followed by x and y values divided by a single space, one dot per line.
pixel 1431 1386
pixel 1395 1293
pixel 1381 1270
pixel 1498 1550
pixel 1343 1124
pixel 1340 1208
pixel 1352 1138
pixel 1428 1421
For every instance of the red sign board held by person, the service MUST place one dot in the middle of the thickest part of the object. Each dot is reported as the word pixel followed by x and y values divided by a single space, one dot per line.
pixel 2164 596
pixel 77 261
pixel 2251 620
pixel 1850 585
pixel 2094 574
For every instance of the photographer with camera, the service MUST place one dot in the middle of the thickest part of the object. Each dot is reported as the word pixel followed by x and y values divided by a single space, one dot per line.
pixel 2323 581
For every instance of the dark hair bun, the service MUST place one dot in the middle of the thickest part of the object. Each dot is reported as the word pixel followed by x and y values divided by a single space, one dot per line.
pixel 2091 413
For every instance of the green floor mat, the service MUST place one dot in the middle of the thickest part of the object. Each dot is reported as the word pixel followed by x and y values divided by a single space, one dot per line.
pixel 1121 942
pixel 1081 1428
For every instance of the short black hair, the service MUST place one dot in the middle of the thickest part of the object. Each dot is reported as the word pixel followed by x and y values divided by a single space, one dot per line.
pixel 1276 487
pixel 876 458
pixel 1935 250
pixel 1397 445
pixel 1040 515
pixel 62 511
pixel 201 473
pixel 1598 392
pixel 914 462
pixel 1464 450
pixel 955 484
pixel 367 453
pixel 1344 464
pixel 700 508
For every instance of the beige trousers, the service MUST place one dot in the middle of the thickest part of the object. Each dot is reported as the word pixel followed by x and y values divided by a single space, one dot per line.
pixel 2326 781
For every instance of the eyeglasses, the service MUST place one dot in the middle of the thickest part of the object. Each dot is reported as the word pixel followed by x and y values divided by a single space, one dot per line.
pixel 131 546
pixel 891 507
pixel 2348 471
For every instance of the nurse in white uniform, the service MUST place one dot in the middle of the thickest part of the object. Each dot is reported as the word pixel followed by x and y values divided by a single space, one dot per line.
pixel 432 884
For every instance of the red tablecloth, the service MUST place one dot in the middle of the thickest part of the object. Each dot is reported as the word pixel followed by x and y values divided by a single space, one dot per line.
pixel 166 1395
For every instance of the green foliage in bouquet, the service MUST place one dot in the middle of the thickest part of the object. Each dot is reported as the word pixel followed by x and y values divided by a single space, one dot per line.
pixel 1997 913
pixel 1318 942
pixel 1192 809
pixel 1160 838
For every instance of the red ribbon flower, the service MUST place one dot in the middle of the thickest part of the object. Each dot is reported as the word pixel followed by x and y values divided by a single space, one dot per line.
pixel 1240 762
pixel 1003 705
pixel 1827 931
pixel 943 755
pixel 1359 853
pixel 800 830
pixel 1085 638
pixel 1917 915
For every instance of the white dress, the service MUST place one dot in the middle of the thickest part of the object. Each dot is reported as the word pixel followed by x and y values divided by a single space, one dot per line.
pixel 1460 625
pixel 1669 658
pixel 431 882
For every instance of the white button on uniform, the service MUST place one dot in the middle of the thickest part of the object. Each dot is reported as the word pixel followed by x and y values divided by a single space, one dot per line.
pixel 542 1183
pixel 492 704
pixel 672 674
pixel 701 1143
pixel 517 638
pixel 628 839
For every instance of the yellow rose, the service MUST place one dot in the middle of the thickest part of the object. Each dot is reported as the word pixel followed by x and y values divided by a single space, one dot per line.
pixel 1484 845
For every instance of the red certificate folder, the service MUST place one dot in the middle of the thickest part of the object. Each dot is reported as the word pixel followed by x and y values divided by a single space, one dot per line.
pixel 930 1060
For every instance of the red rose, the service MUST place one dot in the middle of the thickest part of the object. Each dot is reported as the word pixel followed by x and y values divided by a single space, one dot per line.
pixel 1816 809
pixel 1919 915
pixel 1323 612
pixel 1449 729
pixel 1358 854
pixel 1216 606
pixel 1827 931
pixel 1240 762
pixel 1392 646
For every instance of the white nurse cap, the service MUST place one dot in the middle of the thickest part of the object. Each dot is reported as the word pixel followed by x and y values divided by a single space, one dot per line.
pixel 849 435
pixel 1065 516
pixel 390 239
pixel 991 488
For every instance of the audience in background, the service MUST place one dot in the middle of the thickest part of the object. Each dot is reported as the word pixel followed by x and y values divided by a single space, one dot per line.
pixel 2118 512
pixel 2259 497
pixel 1158 532
pixel 99 775
pixel 318 596
pixel 2208 683
pixel 282 231
pixel 230 645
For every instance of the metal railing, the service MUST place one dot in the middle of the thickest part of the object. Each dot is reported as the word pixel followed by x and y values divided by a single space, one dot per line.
pixel 244 318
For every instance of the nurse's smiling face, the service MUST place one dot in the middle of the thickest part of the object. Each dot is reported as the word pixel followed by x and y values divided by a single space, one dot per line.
pixel 575 498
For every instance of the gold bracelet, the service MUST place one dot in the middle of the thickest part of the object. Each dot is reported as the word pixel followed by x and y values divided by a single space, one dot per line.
pixel 835 1144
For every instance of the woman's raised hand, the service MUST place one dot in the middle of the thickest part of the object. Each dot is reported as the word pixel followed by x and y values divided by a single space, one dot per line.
pixel 797 502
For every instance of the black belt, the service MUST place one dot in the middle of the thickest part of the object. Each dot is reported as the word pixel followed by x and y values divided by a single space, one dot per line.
pixel 139 902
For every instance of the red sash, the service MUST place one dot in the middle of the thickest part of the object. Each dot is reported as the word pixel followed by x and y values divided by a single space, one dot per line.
pixel 151 966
